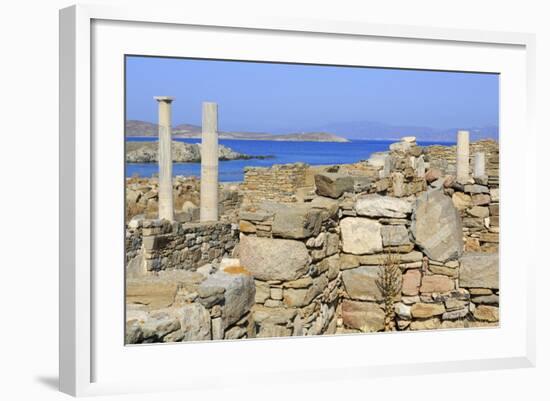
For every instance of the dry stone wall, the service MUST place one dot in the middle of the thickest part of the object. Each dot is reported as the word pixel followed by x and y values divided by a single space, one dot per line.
pixel 279 182
pixel 179 246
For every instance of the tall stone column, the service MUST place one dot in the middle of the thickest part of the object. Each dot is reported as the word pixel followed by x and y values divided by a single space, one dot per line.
pixel 463 157
pixel 479 165
pixel 166 197
pixel 209 162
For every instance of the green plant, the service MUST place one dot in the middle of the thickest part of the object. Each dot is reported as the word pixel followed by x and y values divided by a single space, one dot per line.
pixel 389 283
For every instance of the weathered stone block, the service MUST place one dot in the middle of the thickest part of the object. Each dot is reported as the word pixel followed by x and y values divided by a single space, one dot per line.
pixel 360 235
pixel 427 324
pixel 479 270
pixel 361 283
pixel 437 227
pixel 333 185
pixel 411 282
pixel 374 205
pixel 301 297
pixel 239 293
pixel 394 235
pixel 364 316
pixel 274 259
pixel 424 310
pixel 461 200
pixel 486 313
pixel 436 283
pixel 296 221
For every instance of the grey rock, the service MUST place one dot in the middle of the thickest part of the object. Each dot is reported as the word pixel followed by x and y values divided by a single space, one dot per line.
pixel 195 322
pixel 479 270
pixel 238 293
pixel 296 221
pixel 266 315
pixel 476 189
pixel 361 283
pixel 274 259
pixel 486 299
pixel 394 235
pixel 333 185
pixel 437 227
pixel 158 325
pixel 301 297
pixel 133 333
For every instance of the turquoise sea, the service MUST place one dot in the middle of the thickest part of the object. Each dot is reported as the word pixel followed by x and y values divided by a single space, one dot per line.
pixel 282 152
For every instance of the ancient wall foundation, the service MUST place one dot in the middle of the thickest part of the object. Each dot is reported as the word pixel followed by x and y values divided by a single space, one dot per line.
pixel 316 266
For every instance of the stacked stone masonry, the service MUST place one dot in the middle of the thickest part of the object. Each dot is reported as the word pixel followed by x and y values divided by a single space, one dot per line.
pixel 314 267
pixel 279 182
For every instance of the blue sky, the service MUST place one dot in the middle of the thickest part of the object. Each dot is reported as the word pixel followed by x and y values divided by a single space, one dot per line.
pixel 280 98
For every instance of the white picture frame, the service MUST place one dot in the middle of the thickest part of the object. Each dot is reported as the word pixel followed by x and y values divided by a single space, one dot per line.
pixel 81 213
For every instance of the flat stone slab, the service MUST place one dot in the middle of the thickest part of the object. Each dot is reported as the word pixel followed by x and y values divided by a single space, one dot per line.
pixel 364 316
pixel 374 205
pixel 479 270
pixel 296 221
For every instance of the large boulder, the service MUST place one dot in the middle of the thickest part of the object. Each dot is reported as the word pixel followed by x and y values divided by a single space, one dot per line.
pixel 364 316
pixel 374 205
pixel 361 283
pixel 296 221
pixel 274 259
pixel 478 270
pixel 436 227
pixel 333 185
pixel 360 235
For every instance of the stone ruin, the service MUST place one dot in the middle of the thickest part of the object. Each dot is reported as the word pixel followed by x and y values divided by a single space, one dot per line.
pixel 310 263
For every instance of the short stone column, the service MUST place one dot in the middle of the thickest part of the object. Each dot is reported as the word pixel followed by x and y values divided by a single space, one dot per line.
pixel 420 167
pixel 463 157
pixel 479 165
pixel 209 162
pixel 166 197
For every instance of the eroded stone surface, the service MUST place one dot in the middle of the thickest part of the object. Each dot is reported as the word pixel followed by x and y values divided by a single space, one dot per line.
pixel 437 227
pixel 374 205
pixel 274 259
pixel 361 236
pixel 479 270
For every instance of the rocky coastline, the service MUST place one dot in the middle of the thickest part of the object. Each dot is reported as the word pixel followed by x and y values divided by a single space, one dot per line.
pixel 147 152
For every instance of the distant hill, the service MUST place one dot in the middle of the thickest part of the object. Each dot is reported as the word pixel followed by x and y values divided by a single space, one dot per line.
pixel 136 128
pixel 334 132
pixel 377 130
pixel 140 128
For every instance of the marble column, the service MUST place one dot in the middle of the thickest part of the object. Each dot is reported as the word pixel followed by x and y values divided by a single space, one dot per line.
pixel 166 197
pixel 463 157
pixel 479 165
pixel 209 162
